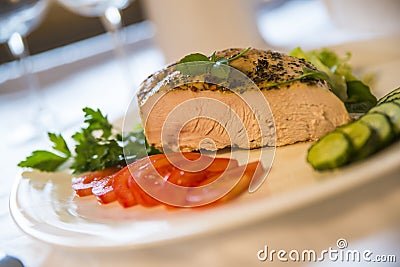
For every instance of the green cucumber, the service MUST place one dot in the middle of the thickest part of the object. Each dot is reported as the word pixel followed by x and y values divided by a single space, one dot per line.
pixel 393 95
pixel 357 140
pixel 397 101
pixel 362 137
pixel 392 111
pixel 381 124
pixel 331 151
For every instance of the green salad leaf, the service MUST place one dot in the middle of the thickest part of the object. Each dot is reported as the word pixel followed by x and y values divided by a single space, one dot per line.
pixel 355 94
pixel 97 146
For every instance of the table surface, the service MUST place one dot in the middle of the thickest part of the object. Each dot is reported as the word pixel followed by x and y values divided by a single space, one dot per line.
pixel 368 217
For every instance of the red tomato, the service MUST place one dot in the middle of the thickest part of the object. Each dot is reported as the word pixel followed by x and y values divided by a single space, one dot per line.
pixel 247 172
pixel 141 197
pixel 83 185
pixel 186 179
pixel 121 189
pixel 104 191
pixel 114 184
pixel 221 164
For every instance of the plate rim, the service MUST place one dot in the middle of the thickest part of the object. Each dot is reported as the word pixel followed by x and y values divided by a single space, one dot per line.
pixel 278 205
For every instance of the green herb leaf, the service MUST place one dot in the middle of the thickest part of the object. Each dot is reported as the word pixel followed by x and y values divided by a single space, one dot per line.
pixel 97 147
pixel 307 73
pixel 136 146
pixel 240 54
pixel 43 160
pixel 59 144
pixel 196 64
pixel 194 68
pixel 195 57
pixel 93 154
pixel 97 121
pixel 360 99
pixel 339 74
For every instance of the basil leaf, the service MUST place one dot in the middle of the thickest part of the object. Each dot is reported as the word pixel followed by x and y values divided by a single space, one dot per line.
pixel 193 68
pixel 194 57
pixel 220 70
pixel 222 60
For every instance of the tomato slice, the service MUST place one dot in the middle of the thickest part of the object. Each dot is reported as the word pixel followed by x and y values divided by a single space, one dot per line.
pixel 186 179
pixel 222 164
pixel 121 189
pixel 115 184
pixel 83 185
pixel 141 197
pixel 247 172
pixel 104 191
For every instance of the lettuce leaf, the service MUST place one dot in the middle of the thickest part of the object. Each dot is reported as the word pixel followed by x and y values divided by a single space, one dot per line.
pixel 355 94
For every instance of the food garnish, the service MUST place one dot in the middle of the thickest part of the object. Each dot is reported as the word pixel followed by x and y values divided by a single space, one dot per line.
pixel 355 94
pixel 98 146
pixel 215 69
pixel 372 132
pixel 110 185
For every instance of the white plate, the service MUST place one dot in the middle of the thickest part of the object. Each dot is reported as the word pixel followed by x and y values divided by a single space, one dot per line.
pixel 43 205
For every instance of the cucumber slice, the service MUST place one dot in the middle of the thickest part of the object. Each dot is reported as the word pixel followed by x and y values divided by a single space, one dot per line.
pixel 381 124
pixel 397 101
pixel 392 111
pixel 331 151
pixel 395 94
pixel 362 137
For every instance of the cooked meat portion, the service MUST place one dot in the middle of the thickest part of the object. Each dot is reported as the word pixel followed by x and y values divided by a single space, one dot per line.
pixel 200 114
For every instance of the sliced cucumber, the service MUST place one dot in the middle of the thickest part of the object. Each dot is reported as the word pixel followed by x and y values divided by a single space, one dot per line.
pixel 393 95
pixel 397 101
pixel 381 124
pixel 331 151
pixel 392 111
pixel 362 137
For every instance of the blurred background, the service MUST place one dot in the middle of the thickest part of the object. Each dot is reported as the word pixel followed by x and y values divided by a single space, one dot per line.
pixel 61 26
pixel 281 23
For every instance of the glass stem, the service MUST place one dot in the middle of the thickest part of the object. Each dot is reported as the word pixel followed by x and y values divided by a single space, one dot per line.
pixel 17 46
pixel 112 22
pixel 33 122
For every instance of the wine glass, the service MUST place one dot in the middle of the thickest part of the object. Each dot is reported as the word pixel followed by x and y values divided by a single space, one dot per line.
pixel 17 19
pixel 110 16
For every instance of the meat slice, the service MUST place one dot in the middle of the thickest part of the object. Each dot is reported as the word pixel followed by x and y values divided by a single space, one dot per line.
pixel 201 115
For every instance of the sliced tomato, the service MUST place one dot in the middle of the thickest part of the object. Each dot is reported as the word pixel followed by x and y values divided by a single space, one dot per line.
pixel 83 185
pixel 247 173
pixel 104 191
pixel 186 179
pixel 221 164
pixel 121 188
pixel 141 197
pixel 114 184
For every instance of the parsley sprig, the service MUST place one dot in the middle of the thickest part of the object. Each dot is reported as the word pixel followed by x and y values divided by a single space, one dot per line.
pixel 197 64
pixel 98 146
